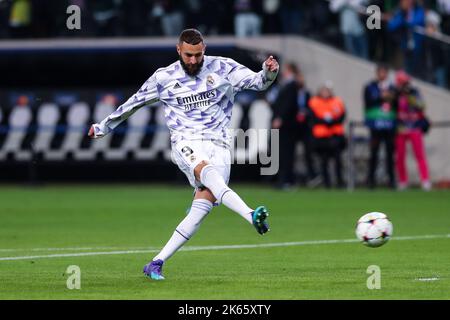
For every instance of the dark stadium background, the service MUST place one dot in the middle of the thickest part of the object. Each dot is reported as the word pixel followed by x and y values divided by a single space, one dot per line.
pixel 73 74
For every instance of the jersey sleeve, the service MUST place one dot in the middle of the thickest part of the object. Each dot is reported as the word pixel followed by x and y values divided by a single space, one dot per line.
pixel 242 78
pixel 148 94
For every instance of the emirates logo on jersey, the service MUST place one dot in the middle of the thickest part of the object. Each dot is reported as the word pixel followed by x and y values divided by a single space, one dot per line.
pixel 195 101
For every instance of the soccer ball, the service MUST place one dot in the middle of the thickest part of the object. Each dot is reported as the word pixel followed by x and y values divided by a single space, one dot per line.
pixel 374 229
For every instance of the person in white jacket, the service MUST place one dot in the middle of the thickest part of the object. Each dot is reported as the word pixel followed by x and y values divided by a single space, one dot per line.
pixel 351 26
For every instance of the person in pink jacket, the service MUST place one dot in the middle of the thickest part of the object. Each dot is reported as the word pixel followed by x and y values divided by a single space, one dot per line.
pixel 411 126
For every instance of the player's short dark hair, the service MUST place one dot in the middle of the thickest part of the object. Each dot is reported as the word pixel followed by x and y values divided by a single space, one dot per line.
pixel 191 36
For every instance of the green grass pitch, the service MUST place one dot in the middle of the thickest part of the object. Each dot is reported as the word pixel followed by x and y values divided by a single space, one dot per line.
pixel 110 232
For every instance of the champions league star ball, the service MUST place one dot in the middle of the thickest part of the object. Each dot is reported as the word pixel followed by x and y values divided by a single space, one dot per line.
pixel 374 229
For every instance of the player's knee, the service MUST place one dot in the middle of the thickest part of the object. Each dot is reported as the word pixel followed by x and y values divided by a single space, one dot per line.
pixel 206 194
pixel 198 169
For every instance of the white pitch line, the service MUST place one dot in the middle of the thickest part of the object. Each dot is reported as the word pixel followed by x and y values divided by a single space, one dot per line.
pixel 224 247
pixel 427 279
pixel 82 254
pixel 73 249
pixel 212 247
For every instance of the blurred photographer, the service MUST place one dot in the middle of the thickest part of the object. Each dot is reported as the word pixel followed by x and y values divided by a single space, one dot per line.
pixel 379 113
pixel 285 113
pixel 412 125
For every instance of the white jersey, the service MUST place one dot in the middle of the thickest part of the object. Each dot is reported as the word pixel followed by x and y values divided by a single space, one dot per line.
pixel 196 107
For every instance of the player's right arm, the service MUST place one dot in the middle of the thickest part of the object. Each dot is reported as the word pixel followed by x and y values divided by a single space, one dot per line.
pixel 242 78
pixel 147 95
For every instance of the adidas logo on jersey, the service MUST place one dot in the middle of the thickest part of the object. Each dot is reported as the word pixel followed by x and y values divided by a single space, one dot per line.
pixel 177 86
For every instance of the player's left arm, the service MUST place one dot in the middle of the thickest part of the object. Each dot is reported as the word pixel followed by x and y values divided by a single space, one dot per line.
pixel 243 78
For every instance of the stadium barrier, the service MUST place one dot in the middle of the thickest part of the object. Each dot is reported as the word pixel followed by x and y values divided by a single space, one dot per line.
pixel 49 135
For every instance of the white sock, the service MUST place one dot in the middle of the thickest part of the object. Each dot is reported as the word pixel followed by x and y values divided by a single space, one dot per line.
pixel 216 184
pixel 186 229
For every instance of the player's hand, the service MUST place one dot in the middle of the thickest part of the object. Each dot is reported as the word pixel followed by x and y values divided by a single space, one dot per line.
pixel 91 132
pixel 95 135
pixel 271 64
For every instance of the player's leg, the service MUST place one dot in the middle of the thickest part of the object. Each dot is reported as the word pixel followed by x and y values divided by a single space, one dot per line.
pixel 201 206
pixel 211 178
pixel 204 193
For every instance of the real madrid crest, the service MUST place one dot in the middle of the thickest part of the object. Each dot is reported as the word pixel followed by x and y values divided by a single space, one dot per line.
pixel 187 151
pixel 210 80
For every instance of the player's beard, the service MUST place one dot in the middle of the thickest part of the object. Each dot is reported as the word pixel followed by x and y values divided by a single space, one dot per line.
pixel 192 70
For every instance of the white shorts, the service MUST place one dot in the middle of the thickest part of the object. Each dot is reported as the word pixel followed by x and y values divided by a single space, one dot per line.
pixel 188 154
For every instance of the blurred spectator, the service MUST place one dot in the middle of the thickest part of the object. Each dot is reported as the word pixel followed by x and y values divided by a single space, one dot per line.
pixel 328 112
pixel 437 52
pixel 408 16
pixel 247 19
pixel 352 29
pixel 106 17
pixel 194 14
pixel 20 18
pixel 172 17
pixel 135 14
pixel 205 16
pixel 412 124
pixel 304 123
pixel 291 16
pixel 5 8
pixel 292 117
pixel 319 22
pixel 443 7
pixel 271 16
pixel 380 117
pixel 378 39
pixel 285 111
pixel 395 42
pixel 49 17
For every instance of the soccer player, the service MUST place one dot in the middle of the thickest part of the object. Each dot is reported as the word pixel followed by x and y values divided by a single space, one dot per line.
pixel 197 93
